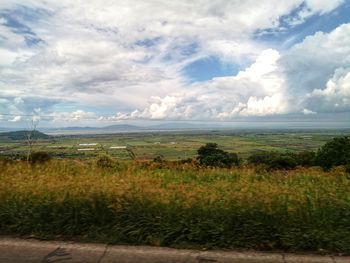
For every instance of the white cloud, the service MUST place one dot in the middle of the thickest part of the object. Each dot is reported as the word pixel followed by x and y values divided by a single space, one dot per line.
pixel 125 55
pixel 76 116
pixel 323 6
pixel 15 119
pixel 312 7
pixel 308 112
pixel 314 76
pixel 316 65
pixel 336 95
pixel 7 57
pixel 256 91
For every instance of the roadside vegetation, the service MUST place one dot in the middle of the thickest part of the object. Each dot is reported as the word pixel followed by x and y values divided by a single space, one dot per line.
pixel 267 202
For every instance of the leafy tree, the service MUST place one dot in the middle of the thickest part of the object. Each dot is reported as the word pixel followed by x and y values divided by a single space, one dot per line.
pixel 347 168
pixel 211 155
pixel 274 160
pixel 333 153
pixel 306 158
pixel 38 157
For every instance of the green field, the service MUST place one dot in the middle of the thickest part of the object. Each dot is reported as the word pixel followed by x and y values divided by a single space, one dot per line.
pixel 175 145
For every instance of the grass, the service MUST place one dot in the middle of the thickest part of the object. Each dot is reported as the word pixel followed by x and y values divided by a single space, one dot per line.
pixel 179 205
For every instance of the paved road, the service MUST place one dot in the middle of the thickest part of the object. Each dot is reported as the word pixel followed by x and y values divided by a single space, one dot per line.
pixel 14 250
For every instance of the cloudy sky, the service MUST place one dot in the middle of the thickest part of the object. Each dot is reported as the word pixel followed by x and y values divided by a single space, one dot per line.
pixel 218 60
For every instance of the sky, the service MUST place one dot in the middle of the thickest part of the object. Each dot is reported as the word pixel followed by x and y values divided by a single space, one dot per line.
pixel 99 62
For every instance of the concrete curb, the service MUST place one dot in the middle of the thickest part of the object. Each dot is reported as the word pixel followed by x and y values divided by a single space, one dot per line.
pixel 15 250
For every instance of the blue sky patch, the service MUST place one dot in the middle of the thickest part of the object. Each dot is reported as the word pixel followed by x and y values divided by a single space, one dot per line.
pixel 148 42
pixel 183 50
pixel 17 20
pixel 292 35
pixel 209 68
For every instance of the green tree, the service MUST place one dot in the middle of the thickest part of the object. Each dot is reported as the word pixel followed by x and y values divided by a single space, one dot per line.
pixel 334 153
pixel 38 157
pixel 274 160
pixel 211 155
pixel 306 158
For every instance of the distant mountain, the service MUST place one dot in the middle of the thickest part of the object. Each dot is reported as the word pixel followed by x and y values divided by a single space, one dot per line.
pixel 2 129
pixel 22 135
pixel 122 127
pixel 75 128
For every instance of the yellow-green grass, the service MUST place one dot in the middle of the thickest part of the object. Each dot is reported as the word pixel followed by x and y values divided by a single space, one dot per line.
pixel 177 205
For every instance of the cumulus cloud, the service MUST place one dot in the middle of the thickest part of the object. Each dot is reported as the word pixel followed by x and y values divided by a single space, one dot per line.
pixel 308 112
pixel 314 66
pixel 336 95
pixel 311 77
pixel 256 91
pixel 15 119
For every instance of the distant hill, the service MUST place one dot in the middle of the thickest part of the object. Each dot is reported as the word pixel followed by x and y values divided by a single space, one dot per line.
pixel 122 127
pixel 22 135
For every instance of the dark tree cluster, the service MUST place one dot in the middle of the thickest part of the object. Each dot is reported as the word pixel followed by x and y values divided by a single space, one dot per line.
pixel 39 157
pixel 334 153
pixel 211 155
pixel 277 160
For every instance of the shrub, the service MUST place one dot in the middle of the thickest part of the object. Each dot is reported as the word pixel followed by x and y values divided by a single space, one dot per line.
pixel 211 155
pixel 347 168
pixel 274 160
pixel 187 161
pixel 158 159
pixel 285 161
pixel 39 157
pixel 260 158
pixel 105 161
pixel 333 153
pixel 306 158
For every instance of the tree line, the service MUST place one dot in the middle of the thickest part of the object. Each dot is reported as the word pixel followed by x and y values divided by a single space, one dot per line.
pixel 334 153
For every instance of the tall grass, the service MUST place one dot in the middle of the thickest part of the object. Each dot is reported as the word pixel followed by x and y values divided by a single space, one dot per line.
pixel 178 205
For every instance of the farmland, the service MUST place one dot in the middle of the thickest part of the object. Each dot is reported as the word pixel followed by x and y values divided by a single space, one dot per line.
pixel 173 145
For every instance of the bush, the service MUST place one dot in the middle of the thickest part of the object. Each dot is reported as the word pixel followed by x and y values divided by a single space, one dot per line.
pixel 284 161
pixel 105 161
pixel 187 161
pixel 334 153
pixel 158 159
pixel 210 155
pixel 274 160
pixel 39 157
pixel 347 168
pixel 306 158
